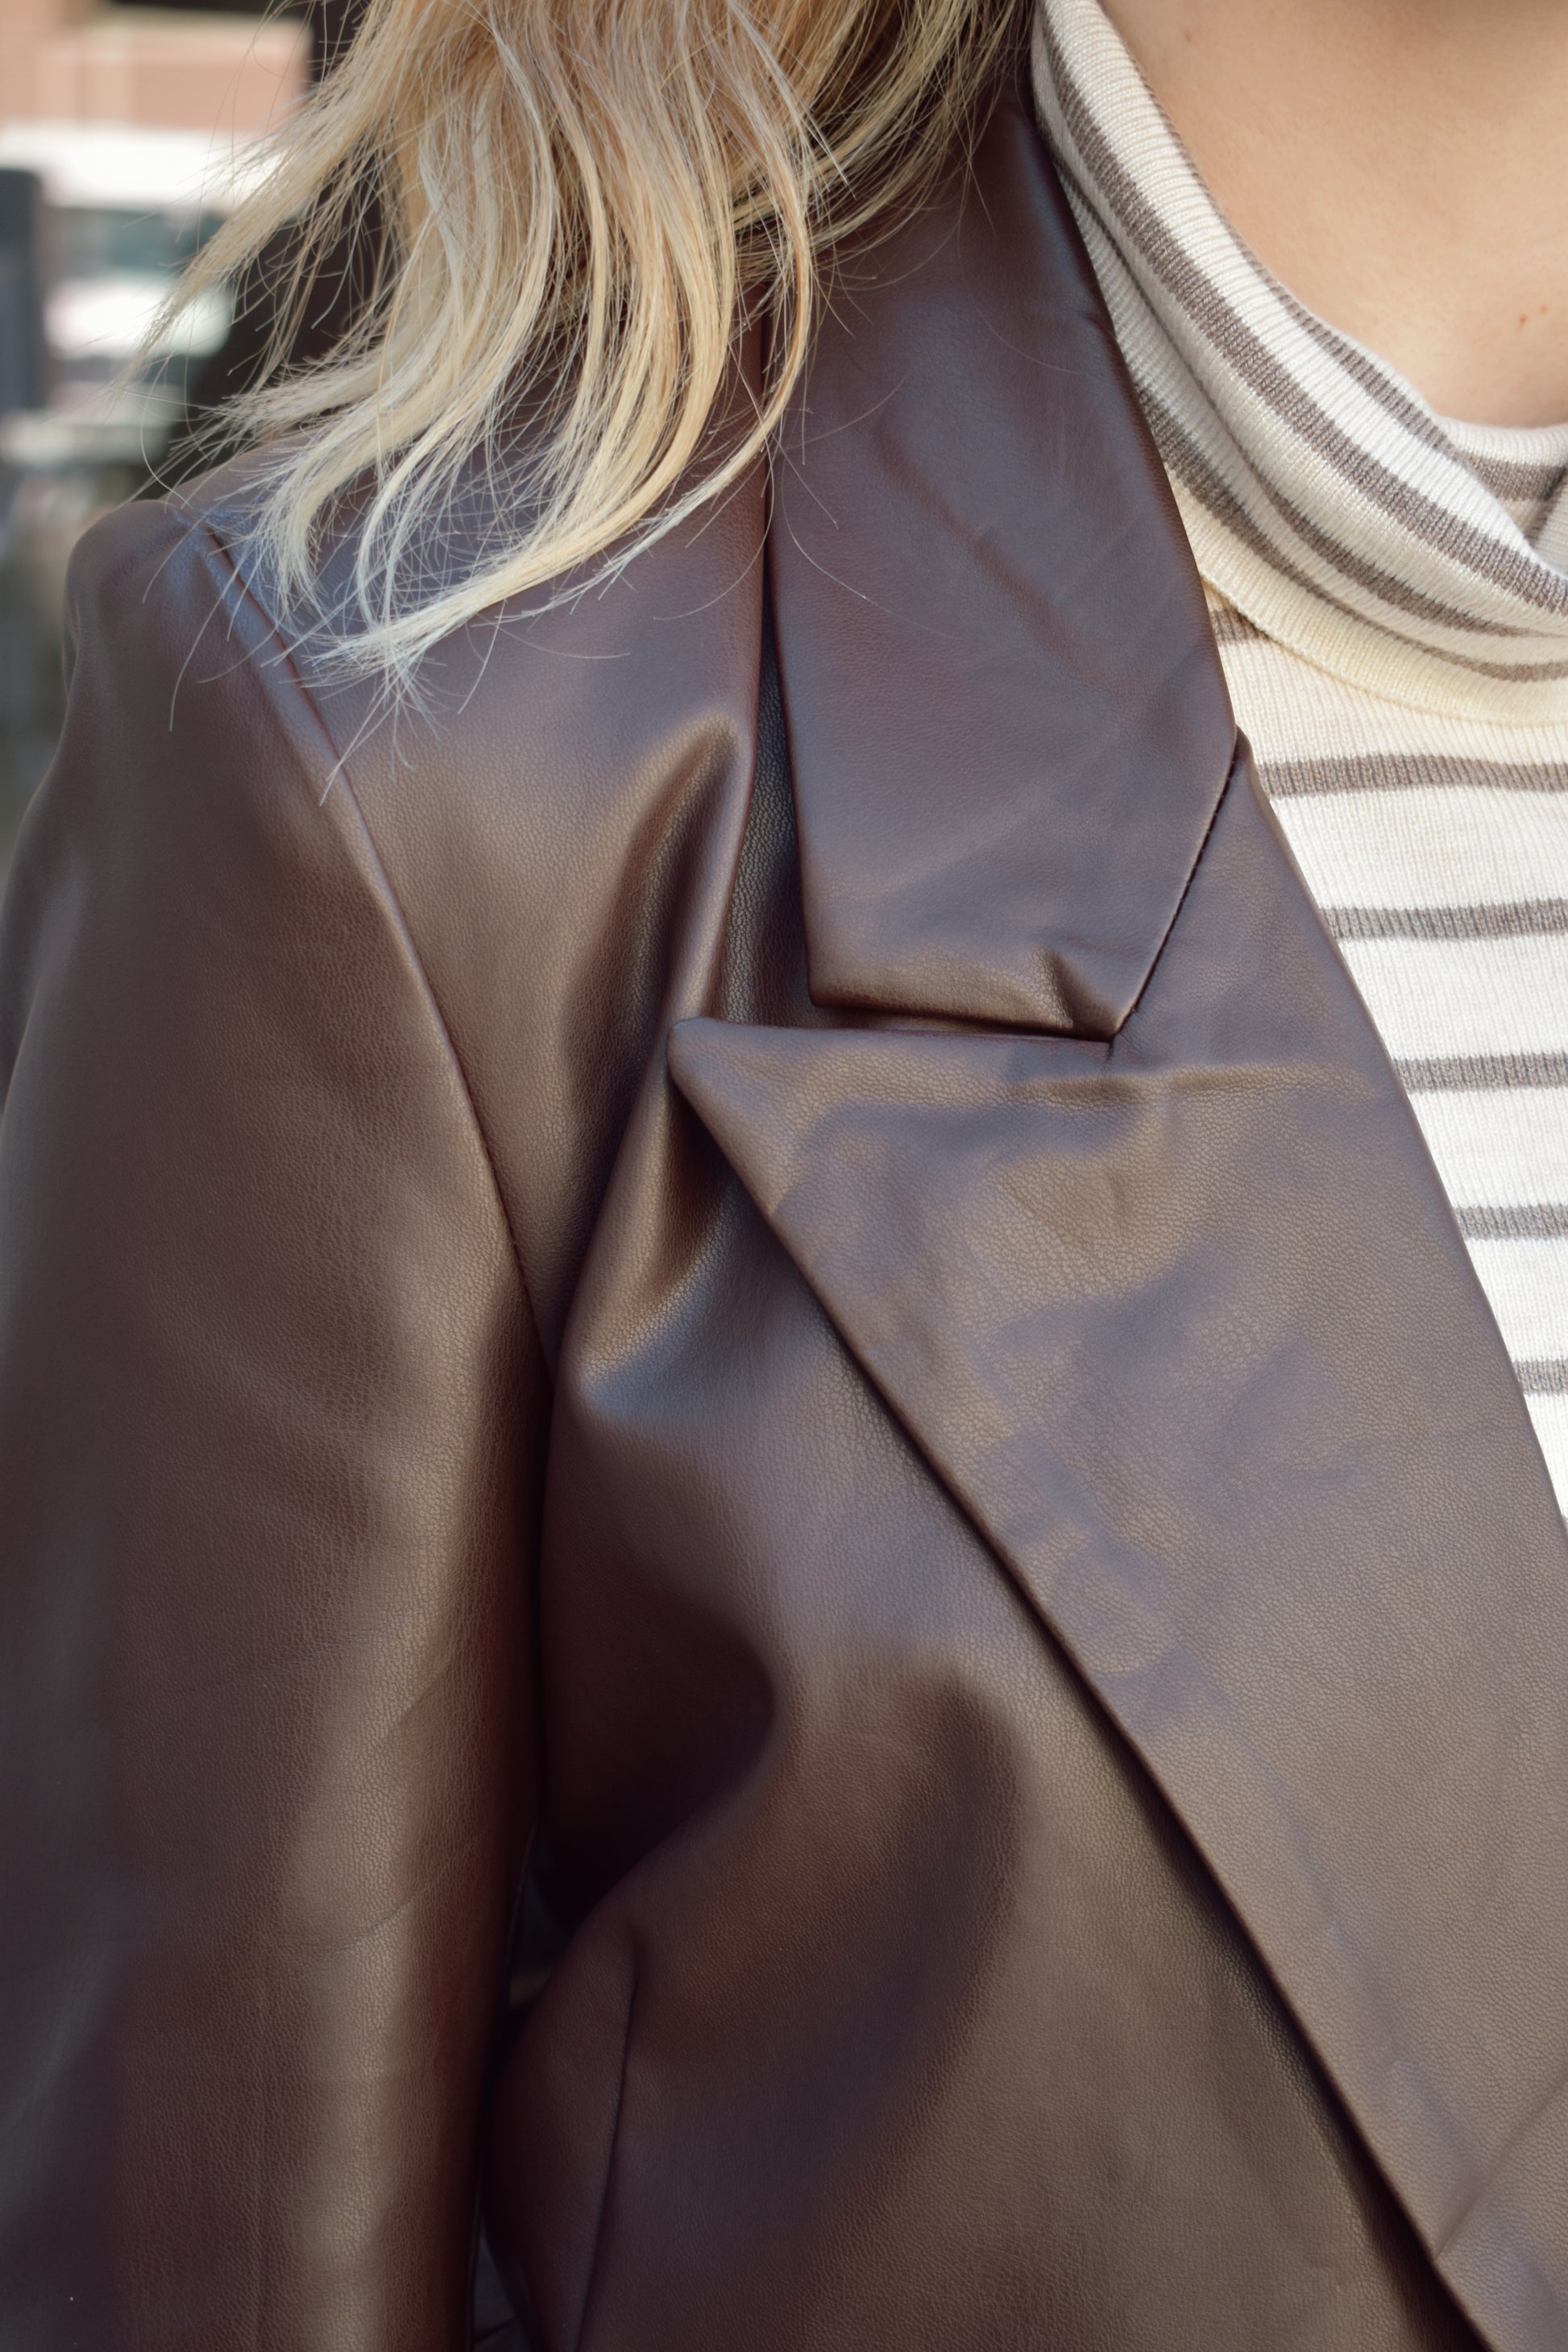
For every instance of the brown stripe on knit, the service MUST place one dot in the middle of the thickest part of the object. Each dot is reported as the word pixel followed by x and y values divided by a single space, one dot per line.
pixel 1363 367
pixel 1512 478
pixel 1183 457
pixel 1512 919
pixel 1530 1222
pixel 1232 627
pixel 1408 772
pixel 1482 1073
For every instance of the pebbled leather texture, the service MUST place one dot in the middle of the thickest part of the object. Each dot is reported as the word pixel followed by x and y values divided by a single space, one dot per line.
pixel 699 1275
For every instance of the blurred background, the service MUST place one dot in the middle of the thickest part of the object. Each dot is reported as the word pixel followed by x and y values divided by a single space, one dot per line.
pixel 126 132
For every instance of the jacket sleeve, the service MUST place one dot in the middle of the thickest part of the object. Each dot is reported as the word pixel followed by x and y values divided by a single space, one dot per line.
pixel 269 1412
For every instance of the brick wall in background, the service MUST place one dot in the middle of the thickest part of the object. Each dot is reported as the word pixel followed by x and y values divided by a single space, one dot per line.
pixel 174 69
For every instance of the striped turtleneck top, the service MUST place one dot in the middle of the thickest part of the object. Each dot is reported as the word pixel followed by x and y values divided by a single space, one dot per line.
pixel 1393 620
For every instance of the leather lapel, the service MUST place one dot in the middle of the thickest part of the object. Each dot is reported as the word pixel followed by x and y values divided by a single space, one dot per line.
pixel 996 663
pixel 1175 1307
pixel 1185 1325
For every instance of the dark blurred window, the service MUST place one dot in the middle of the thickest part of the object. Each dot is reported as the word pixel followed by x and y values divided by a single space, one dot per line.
pixel 22 357
pixel 100 241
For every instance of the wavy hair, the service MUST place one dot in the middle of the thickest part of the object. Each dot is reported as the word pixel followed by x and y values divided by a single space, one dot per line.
pixel 584 206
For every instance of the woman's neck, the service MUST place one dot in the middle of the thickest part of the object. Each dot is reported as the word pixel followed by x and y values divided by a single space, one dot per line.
pixel 1402 166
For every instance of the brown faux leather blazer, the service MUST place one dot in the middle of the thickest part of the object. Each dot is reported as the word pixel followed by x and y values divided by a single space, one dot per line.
pixel 770 1261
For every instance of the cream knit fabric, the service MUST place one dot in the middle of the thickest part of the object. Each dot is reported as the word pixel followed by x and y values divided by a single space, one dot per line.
pixel 1395 633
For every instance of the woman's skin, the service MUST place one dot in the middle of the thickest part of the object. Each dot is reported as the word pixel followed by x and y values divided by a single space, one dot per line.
pixel 1402 166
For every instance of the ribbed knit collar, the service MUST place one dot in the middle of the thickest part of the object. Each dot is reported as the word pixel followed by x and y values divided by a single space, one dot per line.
pixel 1322 495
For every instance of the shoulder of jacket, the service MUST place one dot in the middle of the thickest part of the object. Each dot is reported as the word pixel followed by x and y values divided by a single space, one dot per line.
pixel 539 746
pixel 159 589
pixel 554 685
pixel 167 575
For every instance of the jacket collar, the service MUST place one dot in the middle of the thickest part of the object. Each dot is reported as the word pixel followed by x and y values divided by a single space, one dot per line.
pixel 1194 1339
pixel 1007 726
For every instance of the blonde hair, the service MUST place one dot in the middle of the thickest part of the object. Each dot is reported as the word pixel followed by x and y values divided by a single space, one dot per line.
pixel 586 204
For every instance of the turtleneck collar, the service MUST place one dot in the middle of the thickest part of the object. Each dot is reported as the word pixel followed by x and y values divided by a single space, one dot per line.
pixel 1323 497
